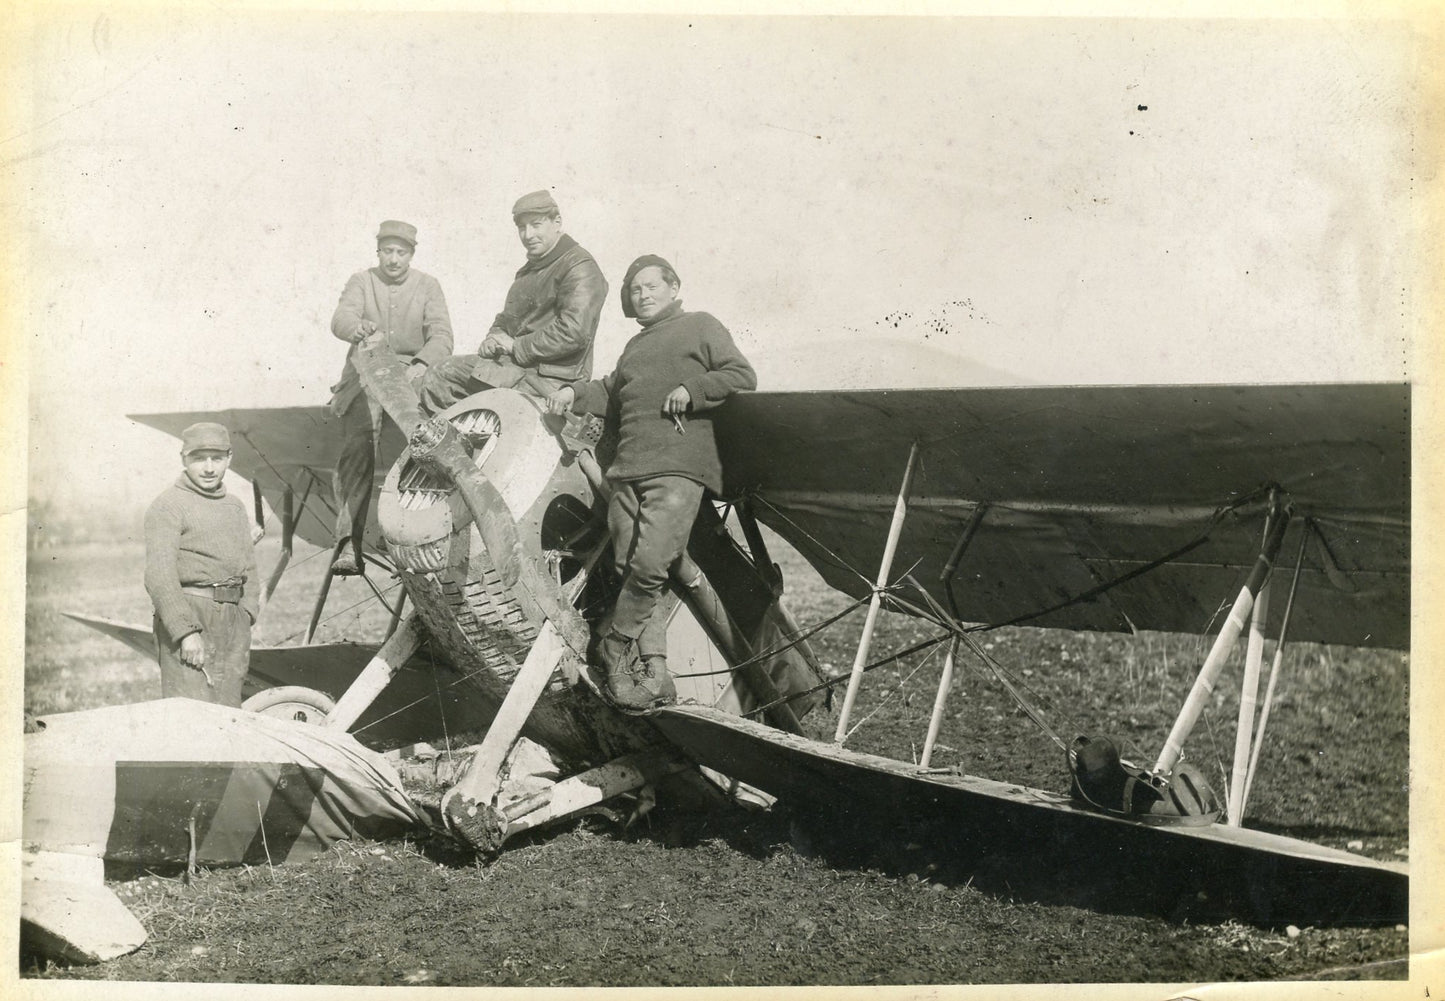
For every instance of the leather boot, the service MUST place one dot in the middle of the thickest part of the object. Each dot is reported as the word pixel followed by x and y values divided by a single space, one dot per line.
pixel 633 684
pixel 656 667
pixel 347 563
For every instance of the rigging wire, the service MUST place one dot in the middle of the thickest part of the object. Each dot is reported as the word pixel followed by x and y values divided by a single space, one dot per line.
pixel 441 706
pixel 316 480
pixel 439 687
pixel 371 584
pixel 843 678
pixel 951 626
pixel 784 648
pixel 833 559
pixel 941 618
pixel 288 638
pixel 884 701
pixel 1138 571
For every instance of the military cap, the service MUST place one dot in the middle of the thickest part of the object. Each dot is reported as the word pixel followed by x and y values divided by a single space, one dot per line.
pixel 538 202
pixel 203 436
pixel 401 230
pixel 645 261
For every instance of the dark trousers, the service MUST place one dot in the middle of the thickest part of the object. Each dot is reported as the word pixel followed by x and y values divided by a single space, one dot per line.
pixel 226 632
pixel 650 520
pixel 356 469
pixel 462 375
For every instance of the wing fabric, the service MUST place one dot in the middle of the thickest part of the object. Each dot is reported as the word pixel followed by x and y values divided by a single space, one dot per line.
pixel 296 447
pixel 1086 484
pixel 423 701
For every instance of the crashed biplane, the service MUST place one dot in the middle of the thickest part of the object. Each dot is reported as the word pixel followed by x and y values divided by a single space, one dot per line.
pixel 1101 508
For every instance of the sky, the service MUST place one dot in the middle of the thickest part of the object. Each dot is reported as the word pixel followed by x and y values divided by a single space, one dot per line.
pixel 863 201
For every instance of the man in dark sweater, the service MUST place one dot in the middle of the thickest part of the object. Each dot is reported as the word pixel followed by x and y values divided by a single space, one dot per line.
pixel 542 338
pixel 396 302
pixel 200 574
pixel 669 378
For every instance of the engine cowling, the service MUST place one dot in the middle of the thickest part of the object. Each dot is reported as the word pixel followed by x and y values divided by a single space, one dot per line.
pixel 482 627
pixel 548 496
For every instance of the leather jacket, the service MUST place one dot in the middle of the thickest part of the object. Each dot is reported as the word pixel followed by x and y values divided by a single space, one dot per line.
pixel 552 311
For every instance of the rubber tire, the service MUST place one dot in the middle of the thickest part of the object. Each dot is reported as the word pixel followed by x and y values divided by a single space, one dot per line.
pixel 295 702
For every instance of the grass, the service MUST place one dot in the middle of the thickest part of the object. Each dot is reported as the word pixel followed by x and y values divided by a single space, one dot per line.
pixel 735 898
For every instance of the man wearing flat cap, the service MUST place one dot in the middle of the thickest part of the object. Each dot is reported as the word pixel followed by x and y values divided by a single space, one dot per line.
pixel 663 394
pixel 395 301
pixel 542 338
pixel 201 574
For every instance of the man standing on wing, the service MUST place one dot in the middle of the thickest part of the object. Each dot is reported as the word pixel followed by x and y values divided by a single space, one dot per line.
pixel 542 339
pixel 200 574
pixel 407 308
pixel 668 380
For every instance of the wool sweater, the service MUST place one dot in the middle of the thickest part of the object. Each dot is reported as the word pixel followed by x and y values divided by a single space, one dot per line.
pixel 194 537
pixel 412 313
pixel 676 348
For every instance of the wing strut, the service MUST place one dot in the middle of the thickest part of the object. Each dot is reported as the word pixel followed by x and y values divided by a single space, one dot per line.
pixel 1223 646
pixel 895 529
pixel 1274 668
pixel 1248 697
pixel 257 504
pixel 376 675
pixel 395 615
pixel 288 539
pixel 940 702
pixel 712 615
pixel 945 681
pixel 325 590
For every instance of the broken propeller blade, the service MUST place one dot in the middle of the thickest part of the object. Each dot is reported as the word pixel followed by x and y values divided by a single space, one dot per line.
pixel 383 375
pixel 437 445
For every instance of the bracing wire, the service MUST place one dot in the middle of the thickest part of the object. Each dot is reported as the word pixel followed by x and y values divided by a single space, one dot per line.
pixel 289 485
pixel 936 614
pixel 842 679
pixel 923 662
pixel 384 604
pixel 833 559
pixel 288 638
pixel 784 648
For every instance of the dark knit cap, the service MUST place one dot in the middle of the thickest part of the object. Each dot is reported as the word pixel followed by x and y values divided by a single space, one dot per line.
pixel 645 261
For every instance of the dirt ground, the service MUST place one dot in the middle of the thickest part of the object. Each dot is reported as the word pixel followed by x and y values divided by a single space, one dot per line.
pixel 742 898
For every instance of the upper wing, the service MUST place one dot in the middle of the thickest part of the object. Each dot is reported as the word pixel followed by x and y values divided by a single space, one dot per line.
pixel 283 448
pixel 1085 484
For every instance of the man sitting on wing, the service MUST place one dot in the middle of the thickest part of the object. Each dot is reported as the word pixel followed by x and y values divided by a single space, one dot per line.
pixel 542 338
pixel 408 308
pixel 200 574
pixel 670 375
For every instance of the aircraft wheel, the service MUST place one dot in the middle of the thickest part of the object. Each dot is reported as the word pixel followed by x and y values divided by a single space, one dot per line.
pixel 297 702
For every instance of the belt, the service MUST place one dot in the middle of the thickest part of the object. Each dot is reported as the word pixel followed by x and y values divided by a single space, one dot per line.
pixel 229 594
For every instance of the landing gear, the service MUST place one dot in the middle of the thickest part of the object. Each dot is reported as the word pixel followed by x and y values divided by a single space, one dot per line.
pixel 293 702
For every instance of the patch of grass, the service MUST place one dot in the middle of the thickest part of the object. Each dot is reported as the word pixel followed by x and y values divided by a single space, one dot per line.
pixel 730 898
